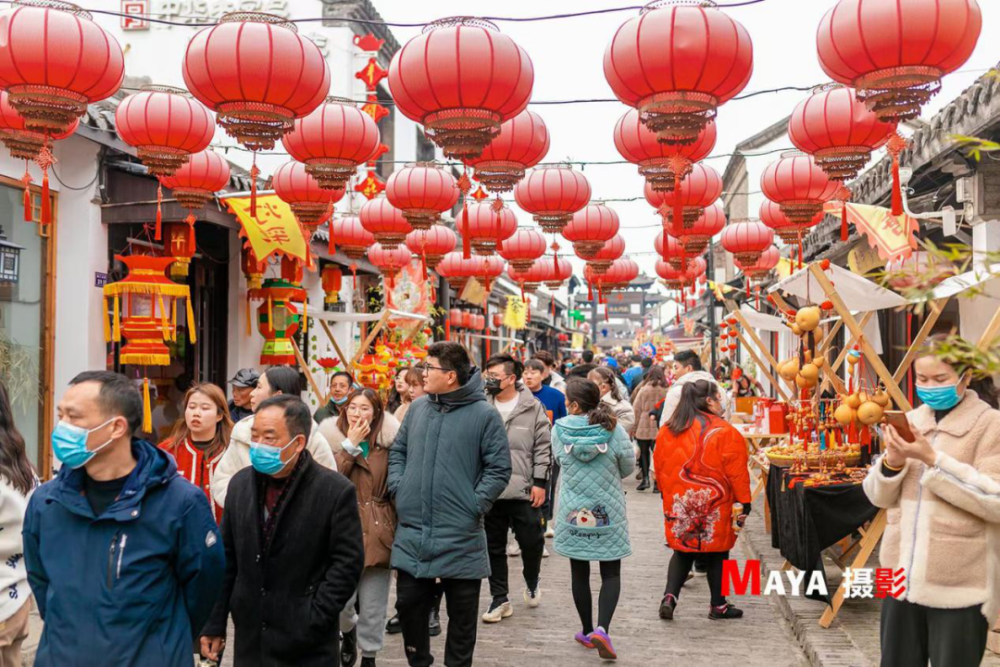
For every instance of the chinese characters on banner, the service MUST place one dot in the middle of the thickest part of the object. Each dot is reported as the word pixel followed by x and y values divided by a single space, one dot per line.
pixel 274 230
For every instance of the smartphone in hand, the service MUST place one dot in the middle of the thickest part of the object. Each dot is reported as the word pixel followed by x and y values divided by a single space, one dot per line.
pixel 897 419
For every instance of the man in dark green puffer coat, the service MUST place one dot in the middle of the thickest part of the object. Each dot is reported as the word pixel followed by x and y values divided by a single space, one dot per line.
pixel 449 462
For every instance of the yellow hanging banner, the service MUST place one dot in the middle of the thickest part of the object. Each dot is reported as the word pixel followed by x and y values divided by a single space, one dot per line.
pixel 891 236
pixel 577 341
pixel 274 230
pixel 515 315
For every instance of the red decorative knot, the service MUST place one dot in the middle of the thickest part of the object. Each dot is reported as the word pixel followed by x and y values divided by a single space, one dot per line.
pixel 798 185
pixel 522 143
pixel 461 78
pixel 422 191
pixel 552 195
pixel 296 187
pixel 676 64
pixel 480 194
pixel 638 144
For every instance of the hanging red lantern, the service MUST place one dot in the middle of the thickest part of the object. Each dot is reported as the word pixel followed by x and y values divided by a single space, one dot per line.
pixel 489 229
pixel 385 222
pixel 333 141
pixel 672 278
pixel 311 204
pixel 677 65
pixel 554 273
pixel 529 279
pixel 747 240
pixel 836 128
pixel 195 183
pixel 621 272
pixel 658 162
pixel 789 232
pixel 487 269
pixel 54 61
pixel 253 270
pixel 612 250
pixel 479 322
pixel 523 248
pixel 422 191
pixel 552 195
pixel 522 143
pixel 689 197
pixel 24 143
pixel 767 261
pixel 179 243
pixel 468 319
pixel 700 234
pixel 590 228
pixel 389 261
pixel 431 244
pixel 461 78
pixel 674 253
pixel 798 185
pixel 894 52
pixel 351 236
pixel 166 125
pixel 332 279
pixel 497 320
pixel 456 270
pixel 696 269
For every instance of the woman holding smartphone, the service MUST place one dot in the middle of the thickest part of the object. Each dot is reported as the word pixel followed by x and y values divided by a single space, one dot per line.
pixel 942 497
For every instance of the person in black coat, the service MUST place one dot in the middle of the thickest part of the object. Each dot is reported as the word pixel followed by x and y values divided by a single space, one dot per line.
pixel 294 549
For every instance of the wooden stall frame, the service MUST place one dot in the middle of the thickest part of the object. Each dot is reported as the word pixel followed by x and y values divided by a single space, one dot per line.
pixel 771 361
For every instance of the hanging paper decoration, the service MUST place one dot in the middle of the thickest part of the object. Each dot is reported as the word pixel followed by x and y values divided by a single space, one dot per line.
pixel 522 143
pixel 278 319
pixel 422 191
pixel 515 314
pixel 590 228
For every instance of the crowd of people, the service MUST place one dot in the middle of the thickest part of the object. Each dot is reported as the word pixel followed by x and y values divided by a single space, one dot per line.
pixel 292 527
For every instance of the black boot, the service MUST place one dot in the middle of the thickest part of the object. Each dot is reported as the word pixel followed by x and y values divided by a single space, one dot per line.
pixel 392 626
pixel 349 648
pixel 643 485
pixel 667 606
pixel 434 623
pixel 367 662
pixel 725 612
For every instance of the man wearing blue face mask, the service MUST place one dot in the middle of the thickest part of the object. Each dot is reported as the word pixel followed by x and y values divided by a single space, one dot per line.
pixel 123 555
pixel 340 388
pixel 294 548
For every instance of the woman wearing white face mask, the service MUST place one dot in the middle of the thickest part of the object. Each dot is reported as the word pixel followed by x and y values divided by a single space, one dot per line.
pixel 942 493
pixel 274 381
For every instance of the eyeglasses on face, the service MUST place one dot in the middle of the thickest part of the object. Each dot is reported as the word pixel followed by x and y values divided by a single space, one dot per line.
pixel 437 368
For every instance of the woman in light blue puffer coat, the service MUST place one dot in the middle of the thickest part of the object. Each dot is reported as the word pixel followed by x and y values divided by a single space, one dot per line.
pixel 591 523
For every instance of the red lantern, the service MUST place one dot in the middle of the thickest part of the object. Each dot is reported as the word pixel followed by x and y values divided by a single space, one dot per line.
pixel 385 222
pixel 479 322
pixel 497 320
pixel 523 248
pixel 487 269
pixel 676 65
pixel 674 253
pixel 836 128
pixel 165 125
pixel 554 273
pixel 195 183
pixel 461 78
pixel 689 197
pixel 590 228
pixel 468 319
pixel 422 191
pixel 351 236
pixel 710 223
pixel 332 279
pixel 552 195
pixel 456 270
pixel 54 61
pixel 332 141
pixel 767 261
pixel 621 272
pixel 788 231
pixel 695 269
pixel 894 52
pixel 798 185
pixel 455 315
pixel 522 143
pixel 431 244
pixel 529 279
pixel 659 162
pixel 488 228
pixel 253 270
pixel 23 143
pixel 747 240
pixel 389 261
pixel 612 250
pixel 256 92
pixel 180 244
pixel 673 278
pixel 311 204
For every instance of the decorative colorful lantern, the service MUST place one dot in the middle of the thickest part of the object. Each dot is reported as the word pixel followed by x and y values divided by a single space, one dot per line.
pixel 688 199
pixel 659 162
pixel 179 243
pixel 456 270
pixel 590 228
pixel 253 270
pixel 332 279
pixel 461 79
pixel 422 191
pixel 522 143
pixel 612 250
pixel 488 228
pixel 385 222
pixel 195 183
pixel 746 240
pixel 351 237
pixel 311 203
pixel 797 184
pixel 166 126
pixel 552 195
pixel 389 261
pixel 555 273
pixel 895 52
pixel 523 248
pixel 278 319
pixel 789 232
pixel 24 143
pixel 696 238
pixel 431 245
pixel 333 141
pixel 677 65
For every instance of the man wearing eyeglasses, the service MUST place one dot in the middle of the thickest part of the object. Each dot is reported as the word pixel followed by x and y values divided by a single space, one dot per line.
pixel 448 464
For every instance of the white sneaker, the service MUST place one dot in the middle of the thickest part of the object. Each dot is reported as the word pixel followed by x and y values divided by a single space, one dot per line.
pixel 513 549
pixel 550 532
pixel 545 552
pixel 533 598
pixel 498 612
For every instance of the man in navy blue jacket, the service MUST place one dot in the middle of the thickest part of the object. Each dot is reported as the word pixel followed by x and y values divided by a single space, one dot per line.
pixel 123 555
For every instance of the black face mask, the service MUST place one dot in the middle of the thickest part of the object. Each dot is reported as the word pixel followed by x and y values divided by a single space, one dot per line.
pixel 493 386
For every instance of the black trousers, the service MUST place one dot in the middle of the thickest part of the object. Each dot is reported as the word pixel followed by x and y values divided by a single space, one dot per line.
pixel 414 598
pixel 912 634
pixel 607 599
pixel 645 451
pixel 680 565
pixel 550 496
pixel 527 525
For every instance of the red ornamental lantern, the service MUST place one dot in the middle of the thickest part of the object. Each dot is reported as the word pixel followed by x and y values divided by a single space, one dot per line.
pixel 674 253
pixel 658 162
pixel 672 278
pixel 552 195
pixel 612 250
pixel 836 128
pixel 23 143
pixel 332 141
pixel 555 273
pixel 621 272
pixel 529 279
pixel 523 248
pixel 253 270
pixel 497 320
pixel 332 279
pixel 522 143
pixel 767 261
pixel 487 269
pixel 431 244
pixel 488 228
pixel 455 315
pixel 677 65
pixel 479 322
pixel 747 240
pixel 389 261
pixel 422 191
pixel 798 185
pixel 461 78
pixel 311 204
pixel 54 61
pixel 468 319
pixel 456 270
pixel 697 238
pixel 195 183
pixel 590 228
pixel 165 125
pixel 688 199
pixel 351 236
pixel 894 52
pixel 788 231
pixel 385 222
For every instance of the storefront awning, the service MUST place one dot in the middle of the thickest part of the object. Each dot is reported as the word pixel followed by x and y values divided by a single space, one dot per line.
pixel 860 295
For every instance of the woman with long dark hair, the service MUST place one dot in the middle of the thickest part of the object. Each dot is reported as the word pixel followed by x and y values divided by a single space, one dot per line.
pixel 591 522
pixel 606 381
pixel 654 390
pixel 701 467
pixel 200 437
pixel 17 481
pixel 400 392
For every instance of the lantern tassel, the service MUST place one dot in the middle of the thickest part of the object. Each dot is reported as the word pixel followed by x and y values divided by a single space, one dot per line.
pixel 354 276
pixel 466 245
pixel 843 221
pixel 191 324
pixel 248 315
pixel 254 173
pixel 894 147
pixel 330 245
pixel 305 315
pixel 590 291
pixel 678 211
pixel 423 265
pixel 46 203
pixel 757 293
pixel 147 409
pixel 159 213
pixel 117 333
pixel 748 287
pixel 26 179
pixel 106 322
pixel 173 320
pixel 800 248
pixel 164 319
pixel 270 313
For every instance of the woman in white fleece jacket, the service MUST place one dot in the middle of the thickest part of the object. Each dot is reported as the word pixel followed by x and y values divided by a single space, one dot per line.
pixel 943 522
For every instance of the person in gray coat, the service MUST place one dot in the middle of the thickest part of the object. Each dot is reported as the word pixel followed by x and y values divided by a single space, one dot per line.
pixel 449 462
pixel 530 438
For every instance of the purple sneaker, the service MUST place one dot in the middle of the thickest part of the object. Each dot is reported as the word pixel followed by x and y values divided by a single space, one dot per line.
pixel 583 639
pixel 602 642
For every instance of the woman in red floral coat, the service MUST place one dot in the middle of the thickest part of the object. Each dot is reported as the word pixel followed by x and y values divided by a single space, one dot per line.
pixel 701 469
pixel 199 439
